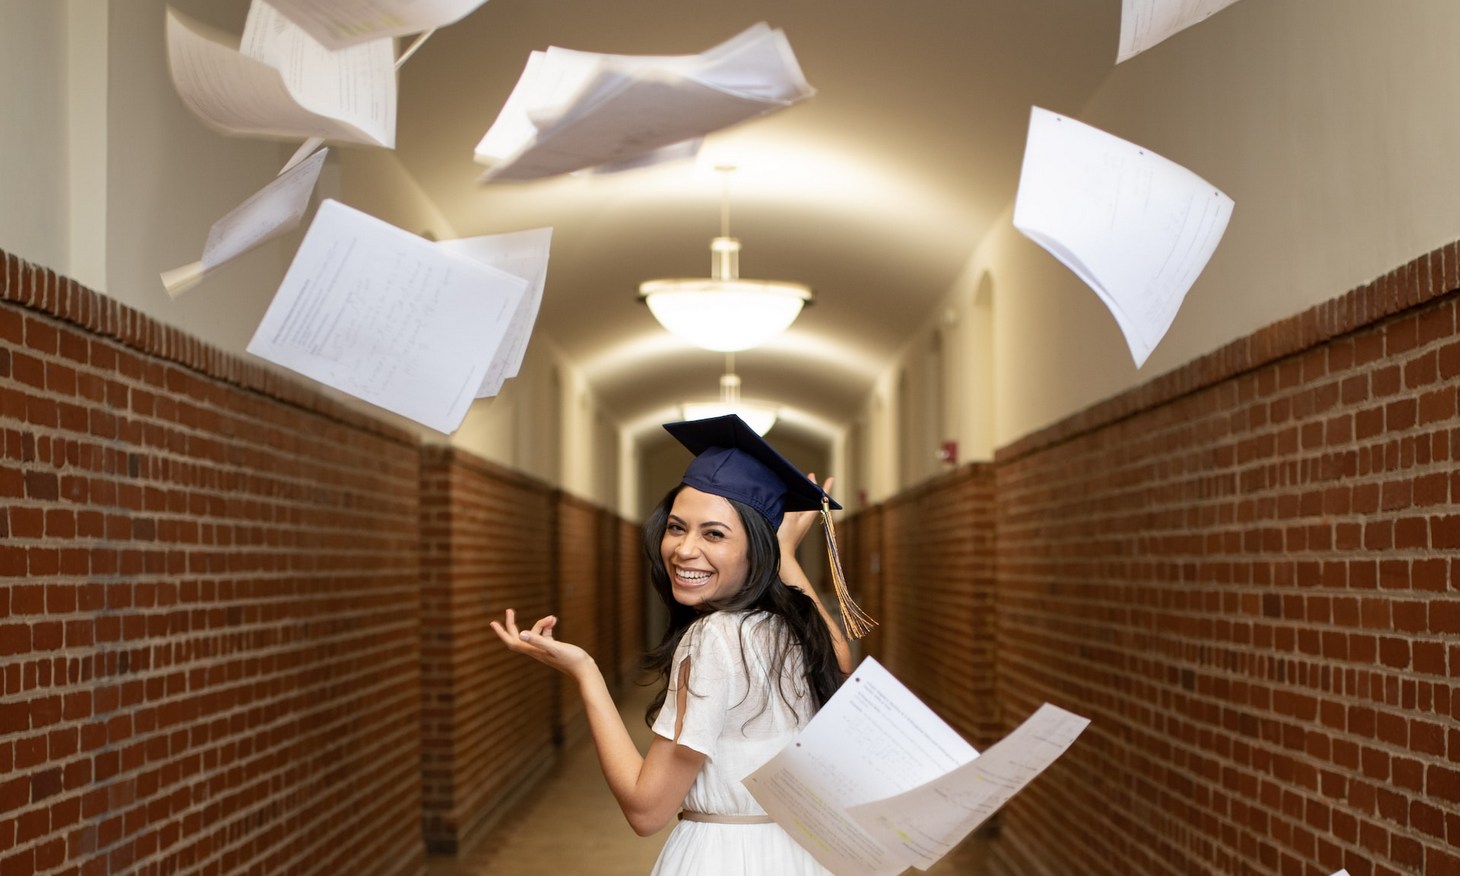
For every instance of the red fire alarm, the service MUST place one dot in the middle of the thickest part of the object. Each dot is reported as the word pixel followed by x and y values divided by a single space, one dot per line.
pixel 948 452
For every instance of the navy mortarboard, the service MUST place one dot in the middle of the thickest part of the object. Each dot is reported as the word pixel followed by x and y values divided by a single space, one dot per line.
pixel 734 462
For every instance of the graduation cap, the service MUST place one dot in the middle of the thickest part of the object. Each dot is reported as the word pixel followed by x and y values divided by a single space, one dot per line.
pixel 732 461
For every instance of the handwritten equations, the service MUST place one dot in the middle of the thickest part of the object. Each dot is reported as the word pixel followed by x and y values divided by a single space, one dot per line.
pixel 877 782
pixel 521 254
pixel 1144 23
pixel 386 316
pixel 339 24
pixel 276 209
pixel 926 822
pixel 279 82
pixel 574 110
pixel 1136 228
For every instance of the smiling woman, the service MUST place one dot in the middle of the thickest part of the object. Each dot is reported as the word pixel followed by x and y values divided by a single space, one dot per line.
pixel 750 653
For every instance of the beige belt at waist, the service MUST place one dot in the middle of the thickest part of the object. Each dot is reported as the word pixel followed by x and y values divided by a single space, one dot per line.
pixel 691 815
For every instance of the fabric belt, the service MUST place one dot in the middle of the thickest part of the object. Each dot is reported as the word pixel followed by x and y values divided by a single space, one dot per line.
pixel 691 815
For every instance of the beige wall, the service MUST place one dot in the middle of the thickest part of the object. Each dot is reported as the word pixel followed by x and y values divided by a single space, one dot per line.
pixel 33 189
pixel 1330 124
pixel 169 178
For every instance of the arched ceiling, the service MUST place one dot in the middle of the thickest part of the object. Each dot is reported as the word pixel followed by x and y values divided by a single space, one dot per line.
pixel 875 191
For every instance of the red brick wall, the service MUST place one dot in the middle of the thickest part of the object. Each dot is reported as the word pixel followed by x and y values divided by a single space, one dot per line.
pixel 859 540
pixel 632 590
pixel 936 597
pixel 490 715
pixel 606 597
pixel 208 607
pixel 602 593
pixel 580 565
pixel 1244 573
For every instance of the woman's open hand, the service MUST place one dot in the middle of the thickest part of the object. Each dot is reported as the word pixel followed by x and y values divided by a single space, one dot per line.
pixel 539 644
pixel 795 524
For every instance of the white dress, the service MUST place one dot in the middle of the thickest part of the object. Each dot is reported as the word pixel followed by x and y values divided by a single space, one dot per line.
pixel 735 716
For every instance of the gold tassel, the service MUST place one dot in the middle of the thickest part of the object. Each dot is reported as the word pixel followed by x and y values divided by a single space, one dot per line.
pixel 857 622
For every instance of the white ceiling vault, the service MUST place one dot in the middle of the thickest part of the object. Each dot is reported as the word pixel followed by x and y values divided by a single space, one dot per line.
pixel 874 192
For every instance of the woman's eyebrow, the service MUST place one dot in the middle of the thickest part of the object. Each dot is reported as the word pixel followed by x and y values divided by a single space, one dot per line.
pixel 675 518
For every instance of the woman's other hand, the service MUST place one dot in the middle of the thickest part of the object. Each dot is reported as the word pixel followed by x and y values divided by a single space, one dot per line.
pixel 795 524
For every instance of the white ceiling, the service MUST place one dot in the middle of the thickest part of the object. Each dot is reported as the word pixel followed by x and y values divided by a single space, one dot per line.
pixel 875 191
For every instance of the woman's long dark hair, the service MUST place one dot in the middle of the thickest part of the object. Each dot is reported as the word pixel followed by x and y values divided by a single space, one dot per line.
pixel 763 591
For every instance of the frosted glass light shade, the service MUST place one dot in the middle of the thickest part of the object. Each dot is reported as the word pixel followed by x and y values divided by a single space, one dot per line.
pixel 724 315
pixel 757 416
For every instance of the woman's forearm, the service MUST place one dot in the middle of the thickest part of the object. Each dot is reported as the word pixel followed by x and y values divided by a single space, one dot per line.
pixel 617 754
pixel 649 796
pixel 795 576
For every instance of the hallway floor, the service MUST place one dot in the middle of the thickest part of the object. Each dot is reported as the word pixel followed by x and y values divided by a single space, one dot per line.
pixel 570 824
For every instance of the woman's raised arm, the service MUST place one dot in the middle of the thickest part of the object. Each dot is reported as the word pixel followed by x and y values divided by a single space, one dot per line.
pixel 794 526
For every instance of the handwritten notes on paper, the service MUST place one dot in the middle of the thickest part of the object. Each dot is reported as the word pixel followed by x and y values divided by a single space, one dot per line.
pixel 574 110
pixel 338 24
pixel 877 782
pixel 1137 228
pixel 872 740
pixel 1144 23
pixel 276 209
pixel 281 83
pixel 929 820
pixel 388 317
pixel 521 254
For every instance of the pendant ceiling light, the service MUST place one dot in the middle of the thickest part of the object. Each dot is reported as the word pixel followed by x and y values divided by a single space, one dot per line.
pixel 724 312
pixel 759 417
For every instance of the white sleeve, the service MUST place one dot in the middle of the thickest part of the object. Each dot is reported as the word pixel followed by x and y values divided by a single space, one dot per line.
pixel 712 645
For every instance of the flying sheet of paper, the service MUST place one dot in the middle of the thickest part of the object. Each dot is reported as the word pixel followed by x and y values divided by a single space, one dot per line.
pixel 521 254
pixel 1144 23
pixel 1137 228
pixel 684 150
pixel 1343 872
pixel 313 143
pixel 338 24
pixel 388 317
pixel 871 741
pixel 355 85
pixel 929 820
pixel 240 94
pixel 573 110
pixel 276 209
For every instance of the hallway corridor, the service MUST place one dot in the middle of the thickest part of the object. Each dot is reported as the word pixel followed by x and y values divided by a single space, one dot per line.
pixel 570 825
pixel 1187 469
